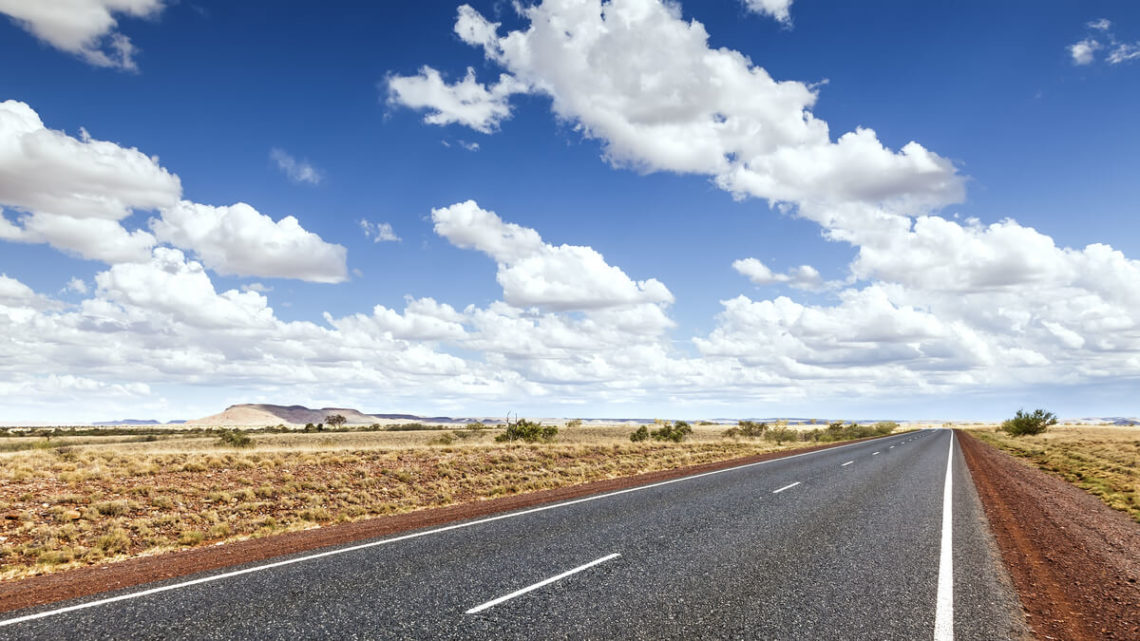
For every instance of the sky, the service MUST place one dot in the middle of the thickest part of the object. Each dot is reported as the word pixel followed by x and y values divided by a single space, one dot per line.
pixel 570 208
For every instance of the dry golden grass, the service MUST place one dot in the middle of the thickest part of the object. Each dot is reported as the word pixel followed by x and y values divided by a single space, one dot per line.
pixel 1104 461
pixel 72 501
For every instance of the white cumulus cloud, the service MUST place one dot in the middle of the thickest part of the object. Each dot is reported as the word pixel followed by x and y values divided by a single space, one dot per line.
pixel 74 191
pixel 86 28
pixel 778 9
pixel 801 277
pixel 533 272
pixel 240 240
pixel 467 102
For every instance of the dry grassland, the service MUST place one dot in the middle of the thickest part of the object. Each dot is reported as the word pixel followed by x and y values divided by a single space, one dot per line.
pixel 1104 461
pixel 72 501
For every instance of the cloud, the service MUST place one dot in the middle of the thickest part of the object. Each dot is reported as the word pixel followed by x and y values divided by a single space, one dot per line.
pixel 85 28
pixel 1084 51
pixel 76 285
pixel 667 101
pixel 930 304
pixel 466 102
pixel 174 287
pixel 163 323
pixel 17 294
pixel 1123 52
pixel 298 171
pixel 379 232
pixel 239 240
pixel 778 9
pixel 802 277
pixel 90 238
pixel 74 191
pixel 531 272
pixel 47 171
pixel 1102 24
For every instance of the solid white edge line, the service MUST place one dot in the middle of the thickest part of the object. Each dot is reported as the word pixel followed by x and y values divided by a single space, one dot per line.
pixel 786 487
pixel 847 463
pixel 944 610
pixel 414 535
pixel 529 588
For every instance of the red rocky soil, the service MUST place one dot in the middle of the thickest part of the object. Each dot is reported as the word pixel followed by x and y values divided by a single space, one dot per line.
pixel 1074 560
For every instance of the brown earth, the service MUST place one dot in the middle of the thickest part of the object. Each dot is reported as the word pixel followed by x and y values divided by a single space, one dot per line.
pixel 1075 561
pixel 69 584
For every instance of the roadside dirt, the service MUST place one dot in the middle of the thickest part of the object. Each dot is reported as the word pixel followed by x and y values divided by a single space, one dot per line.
pixel 85 581
pixel 1075 561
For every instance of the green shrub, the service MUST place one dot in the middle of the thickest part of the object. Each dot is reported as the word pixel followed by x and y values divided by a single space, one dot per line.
pixel 641 434
pixel 235 438
pixel 447 438
pixel 1023 423
pixel 675 432
pixel 781 434
pixel 746 429
pixel 524 430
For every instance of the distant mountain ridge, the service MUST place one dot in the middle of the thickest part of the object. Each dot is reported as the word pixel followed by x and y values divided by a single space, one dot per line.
pixel 267 414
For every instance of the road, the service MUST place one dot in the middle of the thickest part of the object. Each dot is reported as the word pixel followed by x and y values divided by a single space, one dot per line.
pixel 843 543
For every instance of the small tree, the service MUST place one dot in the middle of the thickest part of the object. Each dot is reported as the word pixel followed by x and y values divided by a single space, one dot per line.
pixel 336 420
pixel 1024 423
pixel 675 432
pixel 531 432
pixel 641 434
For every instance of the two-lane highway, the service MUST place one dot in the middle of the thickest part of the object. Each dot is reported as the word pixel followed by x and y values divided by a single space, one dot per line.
pixel 842 543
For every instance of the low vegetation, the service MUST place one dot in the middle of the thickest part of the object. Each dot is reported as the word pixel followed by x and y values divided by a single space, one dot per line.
pixel 781 433
pixel 1105 461
pixel 527 431
pixel 1025 424
pixel 673 432
pixel 86 496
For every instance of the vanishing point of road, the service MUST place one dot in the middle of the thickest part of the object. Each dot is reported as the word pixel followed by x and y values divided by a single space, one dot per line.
pixel 879 539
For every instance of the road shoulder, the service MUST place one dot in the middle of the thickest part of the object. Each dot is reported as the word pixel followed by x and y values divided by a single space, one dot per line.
pixel 1074 561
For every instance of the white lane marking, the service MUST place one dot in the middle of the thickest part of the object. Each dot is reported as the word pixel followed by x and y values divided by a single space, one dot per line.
pixel 891 447
pixel 944 611
pixel 529 588
pixel 847 463
pixel 786 487
pixel 405 537
pixel 874 453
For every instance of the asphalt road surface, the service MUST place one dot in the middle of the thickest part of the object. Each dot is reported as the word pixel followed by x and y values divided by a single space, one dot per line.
pixel 843 543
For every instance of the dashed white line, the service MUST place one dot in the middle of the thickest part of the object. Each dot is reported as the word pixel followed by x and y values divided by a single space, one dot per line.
pixel 847 463
pixel 944 610
pixel 786 487
pixel 531 588
pixel 874 453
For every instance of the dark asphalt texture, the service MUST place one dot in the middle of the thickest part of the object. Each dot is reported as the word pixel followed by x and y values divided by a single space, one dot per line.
pixel 850 553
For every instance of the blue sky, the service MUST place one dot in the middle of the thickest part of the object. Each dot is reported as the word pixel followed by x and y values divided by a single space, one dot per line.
pixel 970 252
